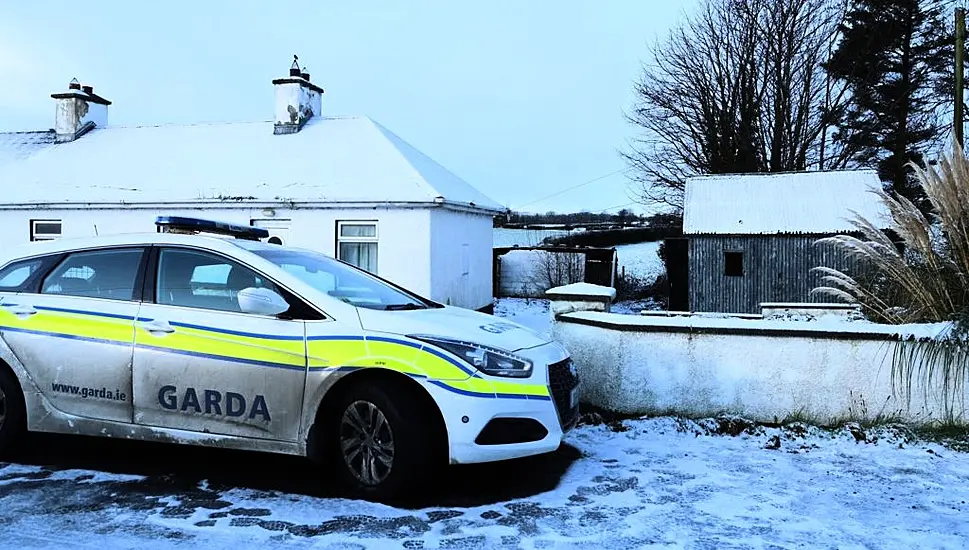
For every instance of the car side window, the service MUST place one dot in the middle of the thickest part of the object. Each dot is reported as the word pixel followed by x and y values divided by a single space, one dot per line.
pixel 196 279
pixel 108 274
pixel 13 276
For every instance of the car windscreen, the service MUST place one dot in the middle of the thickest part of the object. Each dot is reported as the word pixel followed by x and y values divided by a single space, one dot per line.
pixel 342 281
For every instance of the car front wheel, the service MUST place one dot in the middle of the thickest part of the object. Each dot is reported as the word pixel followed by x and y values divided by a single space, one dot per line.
pixel 379 447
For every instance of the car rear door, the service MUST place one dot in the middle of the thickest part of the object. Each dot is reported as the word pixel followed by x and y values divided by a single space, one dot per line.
pixel 74 330
pixel 201 364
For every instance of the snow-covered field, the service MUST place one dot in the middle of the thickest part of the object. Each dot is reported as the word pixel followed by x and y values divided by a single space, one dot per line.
pixel 641 260
pixel 523 237
pixel 651 483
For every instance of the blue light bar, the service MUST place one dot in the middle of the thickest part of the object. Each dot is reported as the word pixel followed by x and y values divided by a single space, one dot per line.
pixel 198 225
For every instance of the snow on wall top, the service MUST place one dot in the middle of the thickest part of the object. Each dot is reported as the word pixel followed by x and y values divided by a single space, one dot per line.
pixel 788 203
pixel 342 159
pixel 582 289
pixel 15 146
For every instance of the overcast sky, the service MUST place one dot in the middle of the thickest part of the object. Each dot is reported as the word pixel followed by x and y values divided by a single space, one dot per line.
pixel 520 98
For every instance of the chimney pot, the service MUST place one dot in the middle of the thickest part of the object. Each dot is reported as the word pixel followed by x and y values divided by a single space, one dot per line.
pixel 87 89
pixel 305 76
pixel 74 85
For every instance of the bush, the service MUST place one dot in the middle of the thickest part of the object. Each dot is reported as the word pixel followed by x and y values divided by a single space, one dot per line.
pixel 631 288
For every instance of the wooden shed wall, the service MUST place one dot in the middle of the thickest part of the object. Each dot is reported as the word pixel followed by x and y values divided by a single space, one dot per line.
pixel 777 268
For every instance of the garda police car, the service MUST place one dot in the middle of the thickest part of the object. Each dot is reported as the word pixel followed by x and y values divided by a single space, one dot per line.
pixel 231 342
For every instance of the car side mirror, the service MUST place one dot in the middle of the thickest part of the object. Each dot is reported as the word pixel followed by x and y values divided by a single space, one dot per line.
pixel 261 301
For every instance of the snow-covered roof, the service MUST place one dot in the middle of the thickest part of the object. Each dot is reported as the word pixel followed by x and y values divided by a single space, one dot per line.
pixel 16 146
pixel 787 203
pixel 331 160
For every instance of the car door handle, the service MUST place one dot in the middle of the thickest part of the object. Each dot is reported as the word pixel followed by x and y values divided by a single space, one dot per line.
pixel 20 309
pixel 157 327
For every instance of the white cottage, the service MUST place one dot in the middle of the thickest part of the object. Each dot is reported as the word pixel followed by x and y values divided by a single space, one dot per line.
pixel 345 186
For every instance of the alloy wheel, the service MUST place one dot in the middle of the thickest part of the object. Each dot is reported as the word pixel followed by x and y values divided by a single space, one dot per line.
pixel 367 442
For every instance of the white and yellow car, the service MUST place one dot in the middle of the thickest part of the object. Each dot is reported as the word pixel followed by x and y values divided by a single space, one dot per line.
pixel 227 341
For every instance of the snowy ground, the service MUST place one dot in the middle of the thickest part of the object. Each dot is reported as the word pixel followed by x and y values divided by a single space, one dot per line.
pixel 657 483
pixel 649 483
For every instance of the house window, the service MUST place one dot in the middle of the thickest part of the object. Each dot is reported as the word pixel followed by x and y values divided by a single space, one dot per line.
pixel 356 244
pixel 45 230
pixel 733 263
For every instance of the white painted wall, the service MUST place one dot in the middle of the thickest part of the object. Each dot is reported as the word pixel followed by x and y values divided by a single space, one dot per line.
pixel 403 249
pixel 461 269
pixel 756 374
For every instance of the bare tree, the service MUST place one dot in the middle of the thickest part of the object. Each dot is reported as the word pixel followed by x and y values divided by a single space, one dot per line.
pixel 553 269
pixel 739 87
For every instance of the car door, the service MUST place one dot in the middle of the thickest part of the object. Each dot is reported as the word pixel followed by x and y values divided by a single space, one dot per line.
pixel 201 364
pixel 74 330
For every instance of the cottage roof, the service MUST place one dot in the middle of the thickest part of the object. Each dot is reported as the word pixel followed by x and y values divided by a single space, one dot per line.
pixel 331 160
pixel 16 146
pixel 814 203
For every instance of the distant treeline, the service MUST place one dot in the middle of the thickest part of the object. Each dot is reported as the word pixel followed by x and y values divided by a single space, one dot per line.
pixel 613 237
pixel 622 218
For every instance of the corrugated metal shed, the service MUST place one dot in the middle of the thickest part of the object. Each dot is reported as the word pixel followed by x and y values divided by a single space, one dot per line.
pixel 813 203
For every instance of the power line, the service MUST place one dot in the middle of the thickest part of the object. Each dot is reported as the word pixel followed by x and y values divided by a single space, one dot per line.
pixel 567 189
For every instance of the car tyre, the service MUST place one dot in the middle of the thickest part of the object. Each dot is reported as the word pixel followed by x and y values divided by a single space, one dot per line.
pixel 377 446
pixel 12 412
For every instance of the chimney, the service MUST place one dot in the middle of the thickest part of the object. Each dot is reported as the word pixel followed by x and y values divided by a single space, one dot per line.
pixel 297 100
pixel 79 110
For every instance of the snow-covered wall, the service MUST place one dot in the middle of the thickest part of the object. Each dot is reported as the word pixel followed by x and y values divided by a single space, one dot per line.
pixel 823 370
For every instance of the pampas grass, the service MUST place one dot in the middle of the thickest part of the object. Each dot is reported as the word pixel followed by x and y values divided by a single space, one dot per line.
pixel 926 279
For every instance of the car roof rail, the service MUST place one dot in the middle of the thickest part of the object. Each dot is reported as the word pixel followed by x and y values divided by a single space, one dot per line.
pixel 194 226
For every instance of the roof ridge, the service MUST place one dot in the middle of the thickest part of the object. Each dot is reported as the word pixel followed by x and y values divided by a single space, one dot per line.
pixel 787 173
pixel 215 123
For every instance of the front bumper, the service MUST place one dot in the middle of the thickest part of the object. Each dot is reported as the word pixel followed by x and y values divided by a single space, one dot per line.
pixel 466 417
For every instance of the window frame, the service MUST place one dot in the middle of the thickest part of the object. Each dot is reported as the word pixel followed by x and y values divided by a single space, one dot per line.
pixel 375 240
pixel 33 229
pixel 727 263
pixel 137 286
pixel 299 309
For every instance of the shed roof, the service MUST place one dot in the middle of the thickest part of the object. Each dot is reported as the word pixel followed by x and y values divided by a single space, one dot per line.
pixel 814 203
pixel 332 160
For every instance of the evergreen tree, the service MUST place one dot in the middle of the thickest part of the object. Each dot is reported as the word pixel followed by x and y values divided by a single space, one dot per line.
pixel 896 57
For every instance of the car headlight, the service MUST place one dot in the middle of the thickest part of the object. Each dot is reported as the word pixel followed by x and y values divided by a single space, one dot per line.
pixel 486 359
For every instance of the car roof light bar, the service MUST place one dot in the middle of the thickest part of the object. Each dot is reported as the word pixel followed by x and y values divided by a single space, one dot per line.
pixel 179 224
